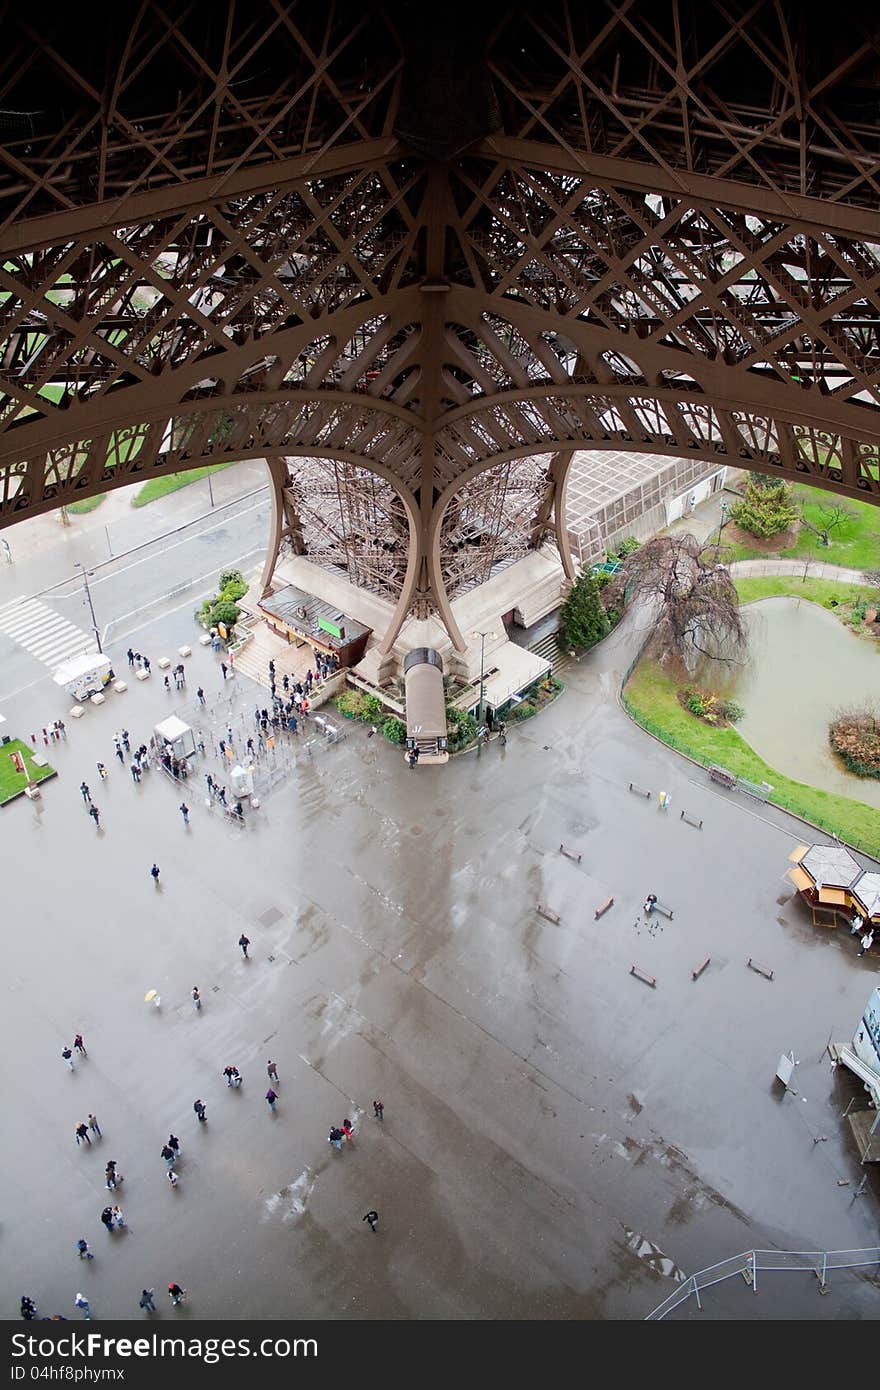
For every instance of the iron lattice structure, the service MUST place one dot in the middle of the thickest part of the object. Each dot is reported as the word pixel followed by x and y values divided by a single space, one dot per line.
pixel 397 254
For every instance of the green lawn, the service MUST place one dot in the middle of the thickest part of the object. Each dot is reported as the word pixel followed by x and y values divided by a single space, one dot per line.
pixel 12 782
pixel 86 504
pixel 650 697
pixel 172 482
pixel 854 545
pixel 815 590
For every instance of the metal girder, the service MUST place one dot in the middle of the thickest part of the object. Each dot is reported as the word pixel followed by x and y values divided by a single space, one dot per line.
pixel 213 245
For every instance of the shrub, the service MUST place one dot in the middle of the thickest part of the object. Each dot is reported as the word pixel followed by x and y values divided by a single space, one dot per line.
pixel 394 729
pixel 462 728
pixel 223 608
pixel 627 547
pixel 711 708
pixel 765 510
pixel 855 737
pixel 524 710
pixel 583 621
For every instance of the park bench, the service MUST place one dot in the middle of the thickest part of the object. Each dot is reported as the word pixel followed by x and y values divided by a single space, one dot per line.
pixel 603 907
pixel 721 774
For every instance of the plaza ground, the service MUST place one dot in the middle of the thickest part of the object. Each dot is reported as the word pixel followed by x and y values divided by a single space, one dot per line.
pixel 551 1123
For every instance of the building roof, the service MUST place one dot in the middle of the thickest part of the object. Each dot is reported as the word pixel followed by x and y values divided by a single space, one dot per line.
pixel 831 865
pixel 172 728
pixel 867 890
pixel 300 611
pixel 516 669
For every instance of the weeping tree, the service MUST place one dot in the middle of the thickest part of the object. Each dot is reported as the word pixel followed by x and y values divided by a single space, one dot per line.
pixel 693 597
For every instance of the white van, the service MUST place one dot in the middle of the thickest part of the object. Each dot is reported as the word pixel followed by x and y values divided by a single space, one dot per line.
pixel 84 675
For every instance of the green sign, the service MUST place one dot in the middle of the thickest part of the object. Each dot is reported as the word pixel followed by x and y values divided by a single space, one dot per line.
pixel 326 626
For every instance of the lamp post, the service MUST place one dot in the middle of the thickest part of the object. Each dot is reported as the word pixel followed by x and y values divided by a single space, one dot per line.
pixel 85 574
pixel 482 636
pixel 725 517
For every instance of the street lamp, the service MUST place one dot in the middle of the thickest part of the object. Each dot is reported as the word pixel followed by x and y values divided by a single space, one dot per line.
pixel 482 636
pixel 85 574
pixel 725 517
pixel 210 489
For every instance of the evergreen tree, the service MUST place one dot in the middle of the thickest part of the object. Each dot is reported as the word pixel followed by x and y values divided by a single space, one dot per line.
pixel 584 620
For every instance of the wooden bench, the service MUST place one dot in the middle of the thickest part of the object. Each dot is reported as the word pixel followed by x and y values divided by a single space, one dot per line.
pixel 603 908
pixel 662 908
pixel 721 774
pixel 570 854
pixel 695 974
pixel 547 912
pixel 759 969
pixel 643 976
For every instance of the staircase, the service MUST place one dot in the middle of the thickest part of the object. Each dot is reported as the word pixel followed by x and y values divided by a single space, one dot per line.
pixel 548 648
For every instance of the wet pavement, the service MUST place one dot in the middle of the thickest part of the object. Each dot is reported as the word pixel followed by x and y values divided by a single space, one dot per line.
pixel 560 1140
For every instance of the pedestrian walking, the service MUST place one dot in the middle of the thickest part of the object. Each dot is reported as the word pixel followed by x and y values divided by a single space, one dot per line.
pixel 93 1125
pixel 155 874
pixel 83 1250
pixel 95 815
pixel 135 771
pixel 82 1133
pixel 174 1145
pixel 119 1218
pixel 68 1057
pixel 244 942
pixel 271 1097
pixel 222 747
pixel 86 794
pixel 272 1071
pixel 146 1300
pixel 223 668
pixel 110 1175
pixel 172 1177
pixel 107 1218
pixel 28 1308
pixel 176 1293
pixel 102 771
pixel 199 1108
pixel 378 1110
pixel 184 811
pixel 130 655
pixel 80 1045
pixel 81 1302
pixel 200 696
pixel 347 1130
pixel 335 1138
pixel 373 1218
pixel 210 781
pixel 196 997
pixel 126 740
pixel 119 753
pixel 62 729
pixel 147 664
pixel 867 942
pixel 168 1155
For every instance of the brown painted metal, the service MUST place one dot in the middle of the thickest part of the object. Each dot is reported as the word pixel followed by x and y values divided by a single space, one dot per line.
pixel 213 246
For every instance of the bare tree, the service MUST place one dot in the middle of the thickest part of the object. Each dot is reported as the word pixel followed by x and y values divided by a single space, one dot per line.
pixel 696 603
pixel 832 517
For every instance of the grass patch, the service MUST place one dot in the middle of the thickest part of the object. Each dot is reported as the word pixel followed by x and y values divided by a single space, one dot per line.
pixel 172 482
pixel 12 782
pixel 854 545
pixel 814 590
pixel 650 696
pixel 86 504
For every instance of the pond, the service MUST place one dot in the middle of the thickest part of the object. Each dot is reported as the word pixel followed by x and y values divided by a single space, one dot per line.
pixel 803 667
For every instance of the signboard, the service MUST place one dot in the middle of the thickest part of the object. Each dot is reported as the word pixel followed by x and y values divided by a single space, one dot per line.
pixel 326 626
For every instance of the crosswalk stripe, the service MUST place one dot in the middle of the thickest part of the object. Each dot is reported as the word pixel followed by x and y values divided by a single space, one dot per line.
pixel 45 634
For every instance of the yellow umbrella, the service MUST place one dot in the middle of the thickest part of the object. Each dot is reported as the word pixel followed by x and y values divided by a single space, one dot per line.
pixel 150 996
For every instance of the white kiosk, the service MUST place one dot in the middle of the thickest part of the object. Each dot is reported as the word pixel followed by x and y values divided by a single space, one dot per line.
pixel 173 733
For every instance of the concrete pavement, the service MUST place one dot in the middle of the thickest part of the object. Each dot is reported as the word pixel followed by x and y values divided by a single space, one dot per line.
pixel 550 1121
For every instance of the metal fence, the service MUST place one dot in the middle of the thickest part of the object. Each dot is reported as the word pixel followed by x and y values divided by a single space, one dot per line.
pixel 751 1263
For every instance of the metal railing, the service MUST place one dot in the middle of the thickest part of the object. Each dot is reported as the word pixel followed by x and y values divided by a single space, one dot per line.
pixel 751 1263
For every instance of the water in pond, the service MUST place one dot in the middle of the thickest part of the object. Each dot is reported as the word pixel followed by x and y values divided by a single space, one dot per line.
pixel 804 666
